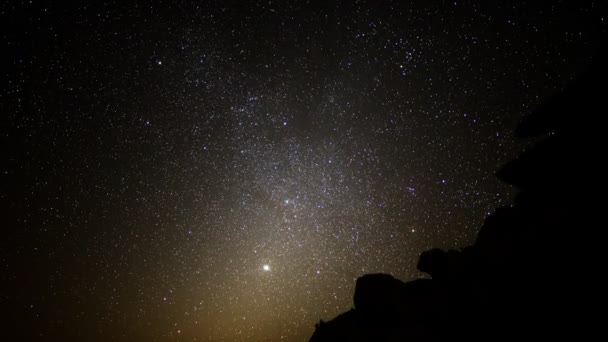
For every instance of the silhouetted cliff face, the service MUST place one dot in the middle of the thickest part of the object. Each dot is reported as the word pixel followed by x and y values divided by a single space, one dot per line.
pixel 529 273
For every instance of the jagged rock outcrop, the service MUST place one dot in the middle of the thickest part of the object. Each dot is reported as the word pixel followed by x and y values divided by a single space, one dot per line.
pixel 531 273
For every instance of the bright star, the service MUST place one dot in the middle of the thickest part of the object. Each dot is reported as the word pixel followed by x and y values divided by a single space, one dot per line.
pixel 266 268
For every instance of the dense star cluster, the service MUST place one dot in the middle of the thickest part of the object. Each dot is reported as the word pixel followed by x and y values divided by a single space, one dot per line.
pixel 225 170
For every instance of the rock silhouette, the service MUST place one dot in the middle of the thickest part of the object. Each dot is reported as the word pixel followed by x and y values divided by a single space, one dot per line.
pixel 532 272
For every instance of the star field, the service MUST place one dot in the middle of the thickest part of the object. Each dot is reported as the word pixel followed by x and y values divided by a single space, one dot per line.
pixel 225 171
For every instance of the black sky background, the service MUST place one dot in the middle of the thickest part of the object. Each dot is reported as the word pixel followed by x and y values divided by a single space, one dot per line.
pixel 156 157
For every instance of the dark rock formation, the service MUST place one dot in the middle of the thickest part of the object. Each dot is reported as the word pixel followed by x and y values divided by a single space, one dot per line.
pixel 532 272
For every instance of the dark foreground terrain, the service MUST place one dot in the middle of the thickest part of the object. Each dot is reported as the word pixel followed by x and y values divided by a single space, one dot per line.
pixel 534 271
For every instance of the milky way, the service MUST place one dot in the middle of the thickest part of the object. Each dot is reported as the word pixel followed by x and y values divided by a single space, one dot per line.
pixel 226 171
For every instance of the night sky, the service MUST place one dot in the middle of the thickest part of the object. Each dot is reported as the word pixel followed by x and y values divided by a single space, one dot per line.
pixel 224 170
